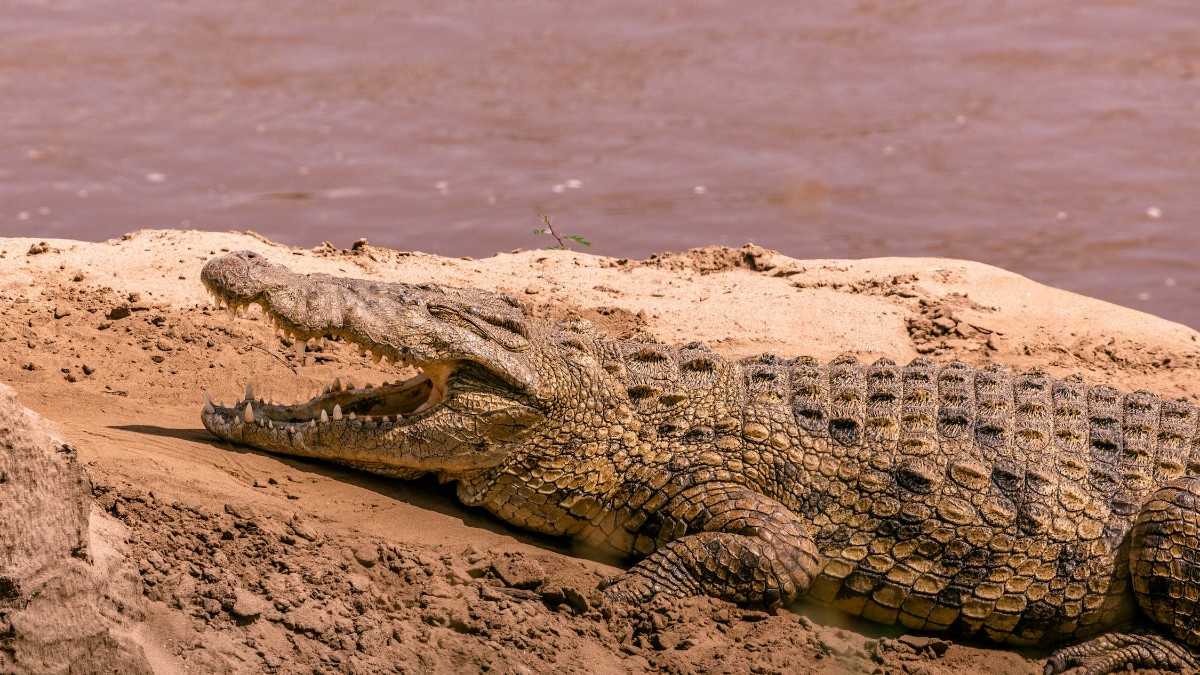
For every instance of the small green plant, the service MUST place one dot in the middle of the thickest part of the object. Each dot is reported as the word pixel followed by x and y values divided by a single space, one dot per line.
pixel 549 229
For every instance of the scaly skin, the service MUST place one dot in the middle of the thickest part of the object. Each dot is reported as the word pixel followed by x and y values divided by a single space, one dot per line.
pixel 1015 508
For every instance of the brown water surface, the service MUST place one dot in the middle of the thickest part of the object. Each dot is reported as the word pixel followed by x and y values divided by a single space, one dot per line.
pixel 1058 140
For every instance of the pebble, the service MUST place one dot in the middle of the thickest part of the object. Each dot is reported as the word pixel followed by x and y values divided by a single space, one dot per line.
pixel 247 606
pixel 519 572
pixel 243 512
pixel 920 642
pixel 366 555
pixel 945 323
pixel 575 599
pixel 302 530
pixel 358 582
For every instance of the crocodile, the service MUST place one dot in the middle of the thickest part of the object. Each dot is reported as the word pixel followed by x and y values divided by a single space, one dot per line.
pixel 1009 507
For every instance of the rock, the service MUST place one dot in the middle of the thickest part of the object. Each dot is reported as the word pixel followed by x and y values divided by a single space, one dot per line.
pixel 302 530
pixel 247 606
pixel 554 596
pixel 371 640
pixel 243 512
pixel 358 582
pixel 575 599
pixel 945 324
pixel 920 642
pixel 119 312
pixel 518 572
pixel 309 619
pixel 366 555
pixel 491 593
pixel 60 312
pixel 754 615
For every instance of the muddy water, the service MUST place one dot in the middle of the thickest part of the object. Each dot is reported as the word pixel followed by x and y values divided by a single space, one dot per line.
pixel 1060 140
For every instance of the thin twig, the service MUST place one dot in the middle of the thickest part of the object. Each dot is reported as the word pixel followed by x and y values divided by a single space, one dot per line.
pixel 550 228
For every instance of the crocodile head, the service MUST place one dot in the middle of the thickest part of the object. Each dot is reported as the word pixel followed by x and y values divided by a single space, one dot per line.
pixel 476 394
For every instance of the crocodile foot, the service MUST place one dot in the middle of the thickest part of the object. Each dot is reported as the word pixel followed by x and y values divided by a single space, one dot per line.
pixel 1118 651
pixel 631 589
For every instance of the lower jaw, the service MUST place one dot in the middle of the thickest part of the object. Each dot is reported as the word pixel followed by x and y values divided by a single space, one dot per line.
pixel 385 404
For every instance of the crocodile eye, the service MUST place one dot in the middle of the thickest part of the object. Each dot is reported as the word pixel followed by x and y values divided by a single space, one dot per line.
pixel 512 335
pixel 509 323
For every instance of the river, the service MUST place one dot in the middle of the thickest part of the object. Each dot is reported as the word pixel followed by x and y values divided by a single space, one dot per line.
pixel 1058 140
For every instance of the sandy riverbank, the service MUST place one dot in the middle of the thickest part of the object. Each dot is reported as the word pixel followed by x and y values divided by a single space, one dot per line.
pixel 254 563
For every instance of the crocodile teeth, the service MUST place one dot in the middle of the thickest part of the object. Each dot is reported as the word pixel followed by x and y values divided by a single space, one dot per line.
pixel 349 386
pixel 324 389
pixel 301 347
pixel 352 416
pixel 208 405
pixel 366 418
pixel 337 412
pixel 270 424
pixel 376 357
pixel 249 414
pixel 324 417
pixel 249 392
pixel 313 423
pixel 337 384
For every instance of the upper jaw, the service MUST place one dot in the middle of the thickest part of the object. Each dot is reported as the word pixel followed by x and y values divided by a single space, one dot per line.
pixel 416 325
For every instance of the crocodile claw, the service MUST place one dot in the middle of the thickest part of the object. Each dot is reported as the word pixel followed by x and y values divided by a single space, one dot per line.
pixel 1118 651
pixel 629 589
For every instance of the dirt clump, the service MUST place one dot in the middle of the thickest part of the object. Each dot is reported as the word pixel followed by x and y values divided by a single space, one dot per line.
pixel 61 610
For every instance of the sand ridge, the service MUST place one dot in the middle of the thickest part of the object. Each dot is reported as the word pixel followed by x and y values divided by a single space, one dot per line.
pixel 254 563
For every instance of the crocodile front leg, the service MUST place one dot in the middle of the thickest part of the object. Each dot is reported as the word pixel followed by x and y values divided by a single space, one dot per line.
pixel 741 547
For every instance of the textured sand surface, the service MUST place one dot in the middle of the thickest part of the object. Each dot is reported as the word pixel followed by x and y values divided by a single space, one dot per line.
pixel 248 562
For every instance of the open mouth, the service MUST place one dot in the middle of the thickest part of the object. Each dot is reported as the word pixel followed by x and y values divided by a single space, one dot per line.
pixel 398 403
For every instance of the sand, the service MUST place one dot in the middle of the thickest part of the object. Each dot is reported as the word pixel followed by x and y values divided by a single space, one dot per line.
pixel 246 562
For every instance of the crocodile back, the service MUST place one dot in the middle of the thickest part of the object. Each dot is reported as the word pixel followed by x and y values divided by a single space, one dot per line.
pixel 979 501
